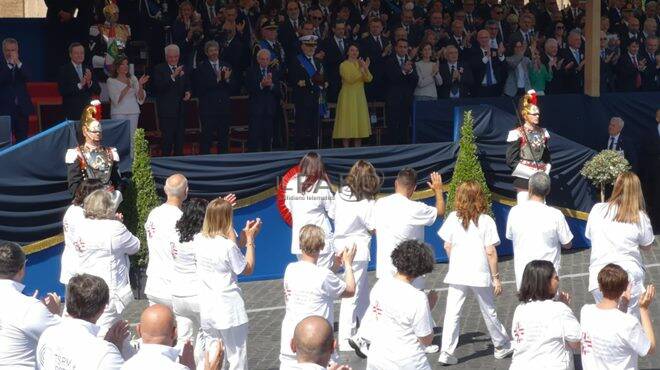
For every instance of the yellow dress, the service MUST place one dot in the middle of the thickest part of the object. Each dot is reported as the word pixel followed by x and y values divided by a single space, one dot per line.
pixel 352 115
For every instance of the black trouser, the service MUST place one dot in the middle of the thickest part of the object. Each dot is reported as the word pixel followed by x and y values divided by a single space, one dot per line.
pixel 214 125
pixel 19 124
pixel 260 133
pixel 173 131
pixel 307 126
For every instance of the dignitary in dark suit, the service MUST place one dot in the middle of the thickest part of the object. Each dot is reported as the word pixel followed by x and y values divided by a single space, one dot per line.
pixel 571 14
pixel 651 76
pixel 401 79
pixel 456 76
pixel 617 141
pixel 630 68
pixel 488 67
pixel 306 78
pixel 263 85
pixel 377 48
pixel 214 81
pixel 234 53
pixel 14 98
pixel 60 26
pixel 76 84
pixel 334 48
pixel 289 29
pixel 572 68
pixel 269 42
pixel 172 87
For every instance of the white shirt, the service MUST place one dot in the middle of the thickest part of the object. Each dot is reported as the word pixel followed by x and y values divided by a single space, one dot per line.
pixel 613 145
pixel 155 356
pixel 219 262
pixel 72 217
pixel 611 339
pixel 103 250
pixel 540 330
pixel 22 321
pixel 162 239
pixel 354 222
pixel 401 315
pixel 308 290
pixel 301 366
pixel 184 275
pixel 468 264
pixel 315 207
pixel 537 231
pixel 81 349
pixel 130 103
pixel 615 242
pixel 397 219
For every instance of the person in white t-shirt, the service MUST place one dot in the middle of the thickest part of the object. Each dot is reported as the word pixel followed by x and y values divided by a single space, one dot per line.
pixel 72 217
pixel 313 343
pixel 612 339
pixel 544 329
pixel 73 343
pixel 104 245
pixel 310 289
pixel 157 329
pixel 219 262
pixel 162 239
pixel 470 237
pixel 23 319
pixel 618 230
pixel 310 200
pixel 354 225
pixel 537 231
pixel 401 322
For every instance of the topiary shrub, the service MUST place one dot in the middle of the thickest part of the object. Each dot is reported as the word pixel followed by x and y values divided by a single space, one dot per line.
pixel 603 169
pixel 467 165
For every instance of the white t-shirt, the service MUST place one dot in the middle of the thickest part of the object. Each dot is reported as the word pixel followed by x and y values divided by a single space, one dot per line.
pixel 616 242
pixel 397 219
pixel 22 321
pixel 540 330
pixel 184 275
pixel 468 264
pixel 155 356
pixel 72 217
pixel 308 290
pixel 537 231
pixel 73 344
pixel 162 239
pixel 611 339
pixel 219 262
pixel 401 315
pixel 315 207
pixel 354 222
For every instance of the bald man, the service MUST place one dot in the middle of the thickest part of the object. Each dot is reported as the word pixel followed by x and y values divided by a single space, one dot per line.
pixel 161 237
pixel 157 329
pixel 313 343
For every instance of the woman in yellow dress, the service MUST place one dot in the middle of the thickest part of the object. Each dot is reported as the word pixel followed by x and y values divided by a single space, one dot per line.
pixel 352 116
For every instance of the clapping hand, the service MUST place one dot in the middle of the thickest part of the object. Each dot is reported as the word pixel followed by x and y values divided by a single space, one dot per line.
pixel 87 78
pixel 227 72
pixel 187 357
pixel 186 96
pixel 240 26
pixel 320 55
pixel 117 333
pixel 500 49
pixel 251 229
pixel 436 182
pixel 348 255
pixel 564 297
pixel 432 297
pixel 646 298
pixel 569 65
pixel 407 67
pixel 215 359
pixel 230 198
pixel 52 301
pixel 435 69
pixel 642 65
pixel 178 72
pixel 581 65
pixel 143 80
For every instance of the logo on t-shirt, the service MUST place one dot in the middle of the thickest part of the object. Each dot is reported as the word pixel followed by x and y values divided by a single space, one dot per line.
pixel 518 332
pixel 151 230
pixel 587 346
pixel 377 310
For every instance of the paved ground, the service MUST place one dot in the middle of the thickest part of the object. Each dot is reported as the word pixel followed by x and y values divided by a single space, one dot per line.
pixel 264 302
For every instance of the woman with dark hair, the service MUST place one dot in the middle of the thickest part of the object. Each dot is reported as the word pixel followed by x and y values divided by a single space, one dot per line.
pixel 354 225
pixel 518 66
pixel 310 200
pixel 184 276
pixel 72 217
pixel 470 237
pixel 543 326
pixel 402 323
pixel 620 230
pixel 429 74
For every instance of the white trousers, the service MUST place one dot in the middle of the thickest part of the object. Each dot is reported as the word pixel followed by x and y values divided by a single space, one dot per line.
pixel 186 312
pixel 353 309
pixel 133 119
pixel 108 318
pixel 451 328
pixel 235 342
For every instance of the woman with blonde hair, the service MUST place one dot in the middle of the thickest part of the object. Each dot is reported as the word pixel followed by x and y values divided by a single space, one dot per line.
pixel 354 225
pixel 470 237
pixel 618 230
pixel 219 262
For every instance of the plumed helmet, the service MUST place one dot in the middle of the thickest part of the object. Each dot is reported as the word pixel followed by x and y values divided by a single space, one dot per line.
pixel 528 104
pixel 110 10
pixel 91 117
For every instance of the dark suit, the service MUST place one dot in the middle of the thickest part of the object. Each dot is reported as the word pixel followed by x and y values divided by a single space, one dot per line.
pixel 651 76
pixel 553 86
pixel 170 106
pixel 59 34
pixel 479 68
pixel 288 38
pixel 14 98
pixel 629 148
pixel 459 44
pixel 234 53
pixel 572 79
pixel 398 101
pixel 306 102
pixel 263 107
pixel 74 99
pixel 462 86
pixel 627 74
pixel 214 105
pixel 203 9
pixel 331 61
pixel 369 48
pixel 571 21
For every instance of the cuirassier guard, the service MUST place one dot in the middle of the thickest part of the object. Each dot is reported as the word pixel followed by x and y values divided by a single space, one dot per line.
pixel 91 160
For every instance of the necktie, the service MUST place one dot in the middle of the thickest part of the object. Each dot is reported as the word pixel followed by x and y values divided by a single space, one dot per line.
pixel 311 61
pixel 263 72
pixel 489 71
pixel 215 67
pixel 611 146
pixel 173 68
pixel 380 44
pixel 79 71
pixel 576 55
pixel 340 42
pixel 638 76
pixel 527 37
pixel 211 13
pixel 295 25
pixel 451 73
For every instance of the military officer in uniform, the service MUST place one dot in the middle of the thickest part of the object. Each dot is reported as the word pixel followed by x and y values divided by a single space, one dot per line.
pixel 269 42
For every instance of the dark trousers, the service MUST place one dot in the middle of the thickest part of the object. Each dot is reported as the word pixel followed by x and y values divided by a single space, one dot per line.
pixel 173 132
pixel 398 121
pixel 307 126
pixel 260 133
pixel 212 126
pixel 19 124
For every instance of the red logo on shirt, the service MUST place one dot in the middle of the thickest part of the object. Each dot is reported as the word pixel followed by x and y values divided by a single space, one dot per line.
pixel 586 343
pixel 281 194
pixel 377 310
pixel 173 249
pixel 79 245
pixel 151 230
pixel 518 332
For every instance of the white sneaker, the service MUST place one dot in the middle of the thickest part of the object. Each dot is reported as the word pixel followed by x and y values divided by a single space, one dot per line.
pixel 447 359
pixel 359 345
pixel 503 351
pixel 431 349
